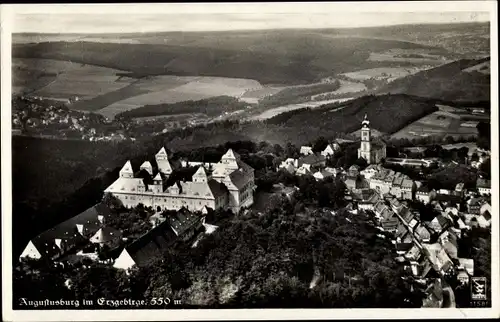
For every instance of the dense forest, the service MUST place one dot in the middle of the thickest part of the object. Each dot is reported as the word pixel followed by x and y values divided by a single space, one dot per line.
pixel 387 114
pixel 298 94
pixel 289 60
pixel 211 107
pixel 448 82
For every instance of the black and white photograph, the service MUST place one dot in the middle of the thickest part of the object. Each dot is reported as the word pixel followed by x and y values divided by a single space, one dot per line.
pixel 187 161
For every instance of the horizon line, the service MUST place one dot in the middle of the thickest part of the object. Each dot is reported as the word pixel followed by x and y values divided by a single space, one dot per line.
pixel 257 29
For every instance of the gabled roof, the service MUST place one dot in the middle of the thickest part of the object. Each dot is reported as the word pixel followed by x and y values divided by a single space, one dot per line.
pixel 152 245
pixel 311 159
pixel 422 232
pixel 162 152
pixel 127 168
pixel 106 235
pixel 146 165
pixel 182 221
pixel 229 155
pixel 483 183
pixel 68 232
pixel 158 177
pixel 218 189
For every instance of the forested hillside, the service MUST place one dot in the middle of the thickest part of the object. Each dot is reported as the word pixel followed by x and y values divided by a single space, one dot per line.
pixel 448 82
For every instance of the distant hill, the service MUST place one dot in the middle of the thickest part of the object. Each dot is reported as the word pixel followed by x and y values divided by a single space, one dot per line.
pixel 387 114
pixel 462 80
pixel 271 57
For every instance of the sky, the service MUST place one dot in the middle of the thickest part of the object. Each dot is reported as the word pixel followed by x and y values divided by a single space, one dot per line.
pixel 208 17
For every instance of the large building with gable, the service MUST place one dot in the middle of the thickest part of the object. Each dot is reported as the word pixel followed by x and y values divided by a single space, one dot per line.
pixel 230 185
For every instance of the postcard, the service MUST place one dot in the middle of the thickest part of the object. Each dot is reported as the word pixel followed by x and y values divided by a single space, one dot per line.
pixel 196 161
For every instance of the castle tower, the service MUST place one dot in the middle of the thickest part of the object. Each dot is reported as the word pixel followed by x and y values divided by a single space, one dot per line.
pixel 229 160
pixel 200 176
pixel 127 171
pixel 163 163
pixel 157 184
pixel 365 148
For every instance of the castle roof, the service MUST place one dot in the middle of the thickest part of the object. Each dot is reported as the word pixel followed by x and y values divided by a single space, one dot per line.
pixel 146 165
pixel 127 168
pixel 162 152
pixel 229 154
pixel 152 245
pixel 68 232
pixel 158 177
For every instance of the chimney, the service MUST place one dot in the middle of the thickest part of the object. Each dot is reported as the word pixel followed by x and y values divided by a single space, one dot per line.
pixel 80 228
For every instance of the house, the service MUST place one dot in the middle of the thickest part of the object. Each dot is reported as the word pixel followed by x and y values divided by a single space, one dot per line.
pixel 463 277
pixel 474 205
pixel 330 150
pixel 440 223
pixel 67 236
pixel 450 200
pixel 484 220
pixel 449 241
pixel 353 170
pixel 413 254
pixel 460 188
pixel 486 207
pixel 107 236
pixel 313 161
pixel 306 150
pixel 434 297
pixel 466 264
pixel 409 217
pixel 323 174
pixel 438 257
pixel 354 183
pixel 408 188
pixel 401 232
pixel 303 170
pixel 185 224
pixel 289 165
pixel 147 248
pixel 483 186
pixel 425 195
pixel 370 171
pixel 366 199
pixel 422 234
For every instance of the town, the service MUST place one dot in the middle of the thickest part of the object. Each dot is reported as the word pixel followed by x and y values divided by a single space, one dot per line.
pixel 148 210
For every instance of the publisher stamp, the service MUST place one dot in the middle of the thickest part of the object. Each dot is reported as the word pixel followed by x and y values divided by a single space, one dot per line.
pixel 479 288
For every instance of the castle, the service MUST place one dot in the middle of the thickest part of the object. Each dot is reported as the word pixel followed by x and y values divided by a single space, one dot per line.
pixel 230 185
pixel 372 152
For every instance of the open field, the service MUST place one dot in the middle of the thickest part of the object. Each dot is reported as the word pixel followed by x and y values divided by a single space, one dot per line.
pixel 384 72
pixel 63 80
pixel 254 95
pixel 438 123
pixel 483 68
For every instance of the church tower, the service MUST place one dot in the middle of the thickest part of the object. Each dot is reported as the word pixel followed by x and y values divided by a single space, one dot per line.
pixel 365 148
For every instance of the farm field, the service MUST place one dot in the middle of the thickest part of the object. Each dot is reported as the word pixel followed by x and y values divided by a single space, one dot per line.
pixel 61 80
pixel 483 68
pixel 107 92
pixel 254 95
pixel 412 56
pixel 437 123
pixel 186 88
pixel 384 73
pixel 345 88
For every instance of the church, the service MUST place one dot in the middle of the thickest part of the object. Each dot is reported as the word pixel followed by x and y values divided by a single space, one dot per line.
pixel 372 152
